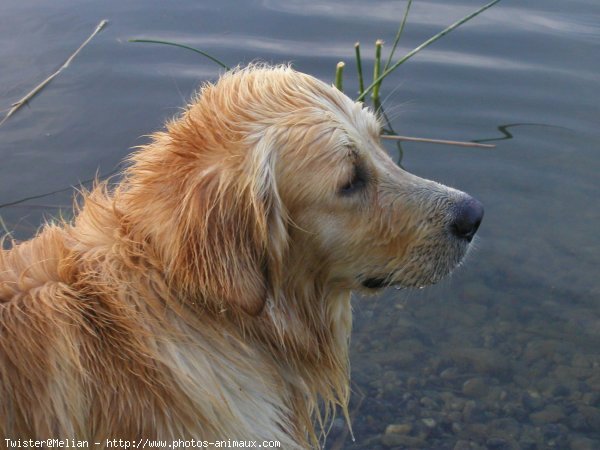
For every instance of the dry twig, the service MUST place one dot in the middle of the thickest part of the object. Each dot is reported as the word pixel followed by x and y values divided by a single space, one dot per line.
pixel 39 87
pixel 436 141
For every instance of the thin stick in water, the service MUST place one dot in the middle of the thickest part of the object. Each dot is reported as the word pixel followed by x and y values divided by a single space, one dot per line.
pixel 39 87
pixel 6 230
pixel 435 141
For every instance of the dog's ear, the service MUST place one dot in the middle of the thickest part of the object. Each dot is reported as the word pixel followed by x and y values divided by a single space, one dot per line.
pixel 234 233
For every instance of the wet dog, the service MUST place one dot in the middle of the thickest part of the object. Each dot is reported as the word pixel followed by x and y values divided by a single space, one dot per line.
pixel 207 294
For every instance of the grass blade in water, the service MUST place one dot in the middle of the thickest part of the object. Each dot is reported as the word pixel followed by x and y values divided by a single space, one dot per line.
pixel 398 35
pixel 423 45
pixel 187 47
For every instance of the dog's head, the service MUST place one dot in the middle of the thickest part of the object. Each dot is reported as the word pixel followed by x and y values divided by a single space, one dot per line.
pixel 273 174
pixel 361 219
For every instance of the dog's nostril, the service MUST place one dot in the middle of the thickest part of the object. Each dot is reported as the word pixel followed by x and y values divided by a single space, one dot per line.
pixel 468 215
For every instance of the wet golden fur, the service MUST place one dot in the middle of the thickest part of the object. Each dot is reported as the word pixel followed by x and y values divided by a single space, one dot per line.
pixel 207 295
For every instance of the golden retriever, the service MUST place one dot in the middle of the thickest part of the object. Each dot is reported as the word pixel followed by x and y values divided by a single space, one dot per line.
pixel 207 294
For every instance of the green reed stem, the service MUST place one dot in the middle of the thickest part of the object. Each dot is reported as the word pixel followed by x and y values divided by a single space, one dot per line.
pixel 361 83
pixel 377 70
pixel 376 82
pixel 174 44
pixel 339 72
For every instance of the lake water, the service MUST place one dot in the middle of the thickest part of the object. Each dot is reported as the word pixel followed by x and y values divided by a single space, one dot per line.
pixel 503 355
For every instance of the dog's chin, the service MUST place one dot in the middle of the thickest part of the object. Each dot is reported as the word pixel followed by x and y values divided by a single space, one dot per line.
pixel 376 283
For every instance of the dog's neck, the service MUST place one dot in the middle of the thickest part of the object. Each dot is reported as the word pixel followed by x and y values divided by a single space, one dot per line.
pixel 303 330
pixel 310 324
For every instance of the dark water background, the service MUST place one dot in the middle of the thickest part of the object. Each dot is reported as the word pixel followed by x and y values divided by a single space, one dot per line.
pixel 506 353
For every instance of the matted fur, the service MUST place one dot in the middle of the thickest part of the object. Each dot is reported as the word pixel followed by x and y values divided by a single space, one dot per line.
pixel 207 295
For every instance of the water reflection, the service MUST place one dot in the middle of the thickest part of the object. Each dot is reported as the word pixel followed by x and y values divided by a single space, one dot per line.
pixel 503 129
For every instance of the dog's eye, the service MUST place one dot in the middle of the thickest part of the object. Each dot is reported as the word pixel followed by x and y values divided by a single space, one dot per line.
pixel 356 182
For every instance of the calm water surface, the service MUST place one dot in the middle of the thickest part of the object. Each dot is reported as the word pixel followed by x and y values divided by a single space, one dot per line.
pixel 506 353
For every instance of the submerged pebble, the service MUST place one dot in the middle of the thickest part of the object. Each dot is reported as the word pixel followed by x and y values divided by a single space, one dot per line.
pixel 550 414
pixel 400 428
pixel 474 387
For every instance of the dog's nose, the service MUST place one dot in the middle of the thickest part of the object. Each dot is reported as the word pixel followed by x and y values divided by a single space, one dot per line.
pixel 467 217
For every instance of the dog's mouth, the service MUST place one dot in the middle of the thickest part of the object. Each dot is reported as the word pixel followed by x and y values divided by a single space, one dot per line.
pixel 381 282
pixel 377 283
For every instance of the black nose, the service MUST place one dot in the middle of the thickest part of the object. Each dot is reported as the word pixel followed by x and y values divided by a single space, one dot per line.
pixel 467 217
